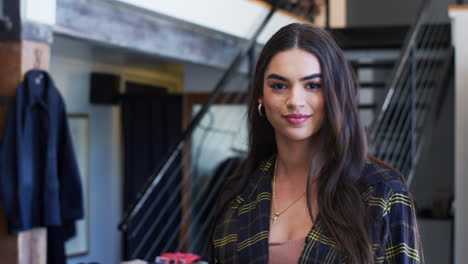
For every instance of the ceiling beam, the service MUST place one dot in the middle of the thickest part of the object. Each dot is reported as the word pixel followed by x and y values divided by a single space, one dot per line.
pixel 121 25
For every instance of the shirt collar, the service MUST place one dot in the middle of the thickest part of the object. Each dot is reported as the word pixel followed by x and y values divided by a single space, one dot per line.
pixel 260 180
pixel 37 83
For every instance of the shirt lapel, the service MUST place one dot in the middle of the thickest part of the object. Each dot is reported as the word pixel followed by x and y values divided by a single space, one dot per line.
pixel 254 216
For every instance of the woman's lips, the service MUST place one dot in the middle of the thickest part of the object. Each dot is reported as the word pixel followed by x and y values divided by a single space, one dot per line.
pixel 296 119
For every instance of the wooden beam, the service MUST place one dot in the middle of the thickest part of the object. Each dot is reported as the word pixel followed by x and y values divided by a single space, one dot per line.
pixel 157 35
pixel 458 7
pixel 8 243
pixel 18 57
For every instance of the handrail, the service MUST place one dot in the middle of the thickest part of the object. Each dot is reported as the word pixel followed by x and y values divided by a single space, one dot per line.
pixel 398 69
pixel 177 148
pixel 409 110
pixel 433 111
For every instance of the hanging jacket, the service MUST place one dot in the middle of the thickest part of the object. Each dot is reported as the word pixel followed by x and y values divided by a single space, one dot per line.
pixel 39 178
pixel 242 231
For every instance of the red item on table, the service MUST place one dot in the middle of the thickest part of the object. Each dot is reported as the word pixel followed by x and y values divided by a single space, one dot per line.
pixel 188 257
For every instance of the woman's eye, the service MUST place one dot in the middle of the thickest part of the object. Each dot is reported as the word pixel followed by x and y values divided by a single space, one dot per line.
pixel 277 86
pixel 314 85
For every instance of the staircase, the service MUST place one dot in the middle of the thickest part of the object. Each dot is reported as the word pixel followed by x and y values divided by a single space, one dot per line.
pixel 413 96
pixel 401 93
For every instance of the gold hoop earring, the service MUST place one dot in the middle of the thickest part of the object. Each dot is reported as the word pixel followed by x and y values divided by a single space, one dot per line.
pixel 260 110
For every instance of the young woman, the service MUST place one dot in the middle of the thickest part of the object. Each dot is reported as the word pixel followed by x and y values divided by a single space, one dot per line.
pixel 309 192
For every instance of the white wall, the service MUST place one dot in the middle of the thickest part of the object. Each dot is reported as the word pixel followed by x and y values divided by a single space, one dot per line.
pixel 39 11
pixel 236 17
pixel 199 78
pixel 71 75
pixel 460 38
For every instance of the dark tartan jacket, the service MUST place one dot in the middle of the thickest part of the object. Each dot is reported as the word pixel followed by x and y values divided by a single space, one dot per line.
pixel 241 232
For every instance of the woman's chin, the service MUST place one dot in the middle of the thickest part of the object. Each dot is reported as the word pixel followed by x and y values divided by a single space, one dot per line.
pixel 297 136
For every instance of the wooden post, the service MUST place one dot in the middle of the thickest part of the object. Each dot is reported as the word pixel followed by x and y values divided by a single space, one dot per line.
pixel 18 57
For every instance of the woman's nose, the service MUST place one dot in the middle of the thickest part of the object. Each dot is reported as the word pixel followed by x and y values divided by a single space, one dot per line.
pixel 296 97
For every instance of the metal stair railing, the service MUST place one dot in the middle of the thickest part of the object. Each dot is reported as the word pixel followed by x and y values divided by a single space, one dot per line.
pixel 188 230
pixel 138 216
pixel 406 116
pixel 138 222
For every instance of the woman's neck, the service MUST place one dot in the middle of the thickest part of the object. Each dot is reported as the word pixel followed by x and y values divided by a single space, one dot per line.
pixel 293 159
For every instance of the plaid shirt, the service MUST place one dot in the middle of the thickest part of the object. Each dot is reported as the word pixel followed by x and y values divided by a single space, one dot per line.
pixel 241 232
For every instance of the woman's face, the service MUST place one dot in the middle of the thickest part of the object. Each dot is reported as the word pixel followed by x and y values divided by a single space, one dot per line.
pixel 293 94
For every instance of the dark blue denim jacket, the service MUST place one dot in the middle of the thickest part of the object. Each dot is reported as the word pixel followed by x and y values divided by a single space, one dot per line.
pixel 39 177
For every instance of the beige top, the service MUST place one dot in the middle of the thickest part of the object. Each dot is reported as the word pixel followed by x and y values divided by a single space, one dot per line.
pixel 286 252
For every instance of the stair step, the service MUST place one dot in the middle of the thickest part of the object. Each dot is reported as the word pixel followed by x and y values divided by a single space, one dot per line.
pixel 372 84
pixel 367 106
pixel 374 65
pixel 365 38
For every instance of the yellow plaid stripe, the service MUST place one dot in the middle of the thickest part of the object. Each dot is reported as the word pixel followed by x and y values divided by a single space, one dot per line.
pixel 307 251
pixel 265 165
pixel 232 208
pixel 401 248
pixel 314 235
pixel 225 240
pixel 330 256
pixel 252 240
pixel 375 247
pixel 366 194
pixel 250 206
pixel 396 198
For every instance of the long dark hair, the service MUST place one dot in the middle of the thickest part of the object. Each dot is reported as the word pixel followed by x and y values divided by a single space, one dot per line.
pixel 343 148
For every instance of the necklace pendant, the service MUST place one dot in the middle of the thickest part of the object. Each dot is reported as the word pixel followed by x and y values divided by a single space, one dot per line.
pixel 275 218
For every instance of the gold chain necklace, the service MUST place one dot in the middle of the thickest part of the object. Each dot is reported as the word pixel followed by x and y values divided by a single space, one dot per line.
pixel 277 215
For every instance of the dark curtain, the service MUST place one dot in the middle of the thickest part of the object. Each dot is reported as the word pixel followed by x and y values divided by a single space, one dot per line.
pixel 152 123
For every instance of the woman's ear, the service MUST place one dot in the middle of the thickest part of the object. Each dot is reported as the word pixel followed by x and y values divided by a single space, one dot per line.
pixel 260 100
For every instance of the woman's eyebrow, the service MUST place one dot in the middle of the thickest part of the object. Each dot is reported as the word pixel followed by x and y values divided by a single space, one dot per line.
pixel 312 76
pixel 305 78
pixel 276 76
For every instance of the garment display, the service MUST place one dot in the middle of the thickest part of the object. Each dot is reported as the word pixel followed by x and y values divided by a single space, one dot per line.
pixel 241 232
pixel 39 179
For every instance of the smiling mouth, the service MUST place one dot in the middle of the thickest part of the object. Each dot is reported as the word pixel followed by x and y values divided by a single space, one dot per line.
pixel 296 119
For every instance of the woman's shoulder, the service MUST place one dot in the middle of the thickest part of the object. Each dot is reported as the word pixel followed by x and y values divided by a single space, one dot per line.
pixel 381 178
pixel 384 191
